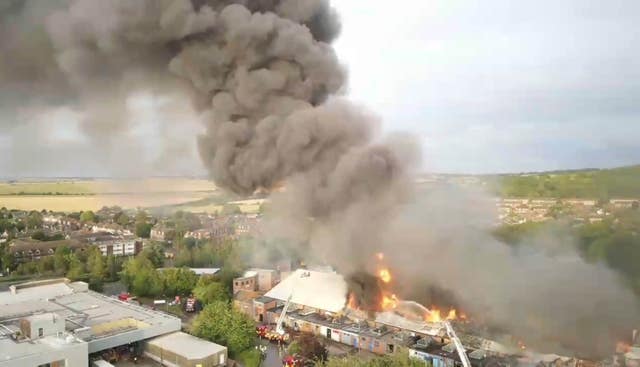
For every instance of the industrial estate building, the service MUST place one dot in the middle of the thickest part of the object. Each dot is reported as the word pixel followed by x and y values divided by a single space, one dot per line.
pixel 60 323
pixel 317 305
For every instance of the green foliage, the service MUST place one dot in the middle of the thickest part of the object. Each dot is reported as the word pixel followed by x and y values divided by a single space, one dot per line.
pixel 398 359
pixel 211 292
pixel 96 264
pixel 601 184
pixel 34 220
pixel 88 217
pixel 141 277
pixel 309 347
pixel 61 259
pixel 121 218
pixel 76 268
pixel 46 265
pixel 250 358
pixel 143 229
pixel 222 324
pixel 155 254
pixel 178 281
pixel 113 267
pixel 7 260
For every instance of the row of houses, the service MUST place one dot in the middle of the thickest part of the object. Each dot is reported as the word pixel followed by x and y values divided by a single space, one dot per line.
pixel 522 210
pixel 25 250
pixel 213 228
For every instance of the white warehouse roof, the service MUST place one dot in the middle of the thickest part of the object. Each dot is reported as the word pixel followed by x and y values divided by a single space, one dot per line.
pixel 321 290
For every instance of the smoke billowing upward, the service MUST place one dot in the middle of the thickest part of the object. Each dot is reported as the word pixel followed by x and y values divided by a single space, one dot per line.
pixel 266 83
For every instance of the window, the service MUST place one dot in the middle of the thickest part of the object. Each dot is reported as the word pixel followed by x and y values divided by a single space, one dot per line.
pixel 40 332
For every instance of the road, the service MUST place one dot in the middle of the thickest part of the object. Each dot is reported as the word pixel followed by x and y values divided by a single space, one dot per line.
pixel 274 354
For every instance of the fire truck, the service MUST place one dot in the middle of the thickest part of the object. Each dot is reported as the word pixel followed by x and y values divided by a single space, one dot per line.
pixel 278 334
pixel 265 332
pixel 192 305
pixel 292 361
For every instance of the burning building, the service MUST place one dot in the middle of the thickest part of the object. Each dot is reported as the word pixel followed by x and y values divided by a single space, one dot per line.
pixel 266 83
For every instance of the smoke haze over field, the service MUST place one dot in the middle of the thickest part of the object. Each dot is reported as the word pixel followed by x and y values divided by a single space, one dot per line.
pixel 265 82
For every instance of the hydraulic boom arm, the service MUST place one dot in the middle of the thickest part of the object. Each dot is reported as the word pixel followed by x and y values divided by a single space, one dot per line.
pixel 456 341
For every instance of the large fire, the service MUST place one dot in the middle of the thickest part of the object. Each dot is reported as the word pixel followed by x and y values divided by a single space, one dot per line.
pixel 435 315
pixel 389 301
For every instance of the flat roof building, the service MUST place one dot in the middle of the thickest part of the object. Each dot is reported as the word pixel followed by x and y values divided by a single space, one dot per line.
pixel 184 350
pixel 63 322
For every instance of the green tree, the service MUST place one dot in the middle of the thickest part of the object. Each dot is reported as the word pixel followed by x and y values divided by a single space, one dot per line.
pixel 143 229
pixel 34 220
pixel 76 268
pixel 46 265
pixel 61 259
pixel 20 226
pixel 38 235
pixel 398 359
pixel 95 264
pixel 155 254
pixel 179 281
pixel 122 219
pixel 211 292
pixel 113 267
pixel 28 268
pixel 142 216
pixel 142 279
pixel 8 262
pixel 309 347
pixel 88 217
pixel 222 324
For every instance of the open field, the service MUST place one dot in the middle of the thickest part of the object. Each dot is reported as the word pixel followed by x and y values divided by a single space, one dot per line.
pixel 196 195
pixel 106 186
pixel 76 195
pixel 67 203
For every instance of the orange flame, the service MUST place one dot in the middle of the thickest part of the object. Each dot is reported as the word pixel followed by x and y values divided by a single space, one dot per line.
pixel 352 304
pixel 389 302
pixel 385 275
pixel 435 315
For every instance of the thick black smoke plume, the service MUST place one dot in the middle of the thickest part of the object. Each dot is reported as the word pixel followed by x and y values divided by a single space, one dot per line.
pixel 266 81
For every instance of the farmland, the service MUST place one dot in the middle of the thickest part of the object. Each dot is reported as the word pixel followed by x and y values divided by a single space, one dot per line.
pixel 76 195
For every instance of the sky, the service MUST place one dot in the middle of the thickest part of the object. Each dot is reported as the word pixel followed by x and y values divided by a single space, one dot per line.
pixel 500 85
pixel 486 86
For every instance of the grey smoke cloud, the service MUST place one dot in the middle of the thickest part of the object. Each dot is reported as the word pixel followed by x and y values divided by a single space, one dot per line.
pixel 267 85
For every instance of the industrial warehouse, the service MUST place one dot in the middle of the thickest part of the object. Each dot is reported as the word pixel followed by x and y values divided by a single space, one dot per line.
pixel 61 323
pixel 314 301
